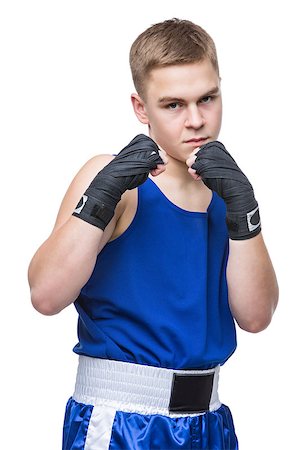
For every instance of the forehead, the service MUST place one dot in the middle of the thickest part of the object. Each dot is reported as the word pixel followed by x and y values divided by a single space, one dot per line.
pixel 182 81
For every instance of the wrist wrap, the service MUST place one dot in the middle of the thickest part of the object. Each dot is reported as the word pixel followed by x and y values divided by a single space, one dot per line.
pixel 129 169
pixel 220 173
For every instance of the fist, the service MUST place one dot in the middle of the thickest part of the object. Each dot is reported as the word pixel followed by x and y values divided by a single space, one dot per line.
pixel 220 173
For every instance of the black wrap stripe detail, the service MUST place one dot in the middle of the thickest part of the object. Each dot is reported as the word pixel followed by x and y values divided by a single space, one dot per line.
pixel 214 161
pixel 129 169
pixel 140 156
pixel 220 173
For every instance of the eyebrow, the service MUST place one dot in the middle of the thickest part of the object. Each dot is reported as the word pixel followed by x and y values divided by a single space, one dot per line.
pixel 166 99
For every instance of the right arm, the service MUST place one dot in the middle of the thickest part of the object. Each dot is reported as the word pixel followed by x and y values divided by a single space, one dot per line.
pixel 65 261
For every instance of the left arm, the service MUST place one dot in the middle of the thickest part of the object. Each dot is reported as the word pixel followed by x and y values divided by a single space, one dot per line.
pixel 252 284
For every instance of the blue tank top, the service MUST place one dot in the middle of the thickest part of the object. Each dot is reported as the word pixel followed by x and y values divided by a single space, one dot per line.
pixel 158 293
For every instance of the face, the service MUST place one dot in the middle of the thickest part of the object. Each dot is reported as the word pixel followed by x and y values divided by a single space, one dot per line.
pixel 183 107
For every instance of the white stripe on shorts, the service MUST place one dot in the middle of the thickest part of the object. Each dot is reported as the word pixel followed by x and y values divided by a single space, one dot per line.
pixel 100 428
pixel 132 387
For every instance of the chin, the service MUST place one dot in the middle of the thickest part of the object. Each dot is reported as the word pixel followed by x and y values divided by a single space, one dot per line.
pixel 179 158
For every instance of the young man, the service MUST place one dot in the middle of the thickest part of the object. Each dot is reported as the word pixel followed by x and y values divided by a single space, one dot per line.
pixel 163 251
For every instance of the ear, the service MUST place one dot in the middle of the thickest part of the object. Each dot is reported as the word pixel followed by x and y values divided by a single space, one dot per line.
pixel 139 108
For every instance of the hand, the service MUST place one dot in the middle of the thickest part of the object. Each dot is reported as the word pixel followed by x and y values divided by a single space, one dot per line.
pixel 160 167
pixel 189 162
pixel 220 173
pixel 129 169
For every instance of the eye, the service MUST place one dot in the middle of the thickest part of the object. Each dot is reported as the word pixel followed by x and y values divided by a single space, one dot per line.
pixel 206 99
pixel 173 106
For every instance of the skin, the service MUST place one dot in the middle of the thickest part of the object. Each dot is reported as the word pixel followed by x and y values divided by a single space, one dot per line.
pixel 181 103
pixel 193 108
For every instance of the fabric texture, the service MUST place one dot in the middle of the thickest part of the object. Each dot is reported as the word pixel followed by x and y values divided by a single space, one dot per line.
pixel 131 431
pixel 127 170
pixel 170 261
pixel 219 172
pixel 157 297
pixel 137 388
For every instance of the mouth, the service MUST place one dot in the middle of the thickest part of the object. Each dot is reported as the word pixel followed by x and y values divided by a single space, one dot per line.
pixel 197 142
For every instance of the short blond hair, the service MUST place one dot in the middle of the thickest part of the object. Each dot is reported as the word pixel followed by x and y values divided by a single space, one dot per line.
pixel 168 43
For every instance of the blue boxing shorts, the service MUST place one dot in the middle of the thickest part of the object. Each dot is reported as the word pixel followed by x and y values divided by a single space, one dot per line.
pixel 118 405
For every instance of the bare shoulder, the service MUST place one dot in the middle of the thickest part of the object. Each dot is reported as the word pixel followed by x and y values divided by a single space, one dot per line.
pixel 90 169
pixel 78 186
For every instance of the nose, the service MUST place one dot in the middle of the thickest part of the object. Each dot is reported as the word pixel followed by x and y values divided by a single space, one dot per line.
pixel 194 117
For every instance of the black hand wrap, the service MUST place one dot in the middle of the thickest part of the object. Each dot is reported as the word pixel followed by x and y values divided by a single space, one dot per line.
pixel 220 173
pixel 127 170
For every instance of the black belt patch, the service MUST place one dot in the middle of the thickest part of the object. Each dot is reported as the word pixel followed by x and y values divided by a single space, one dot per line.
pixel 191 393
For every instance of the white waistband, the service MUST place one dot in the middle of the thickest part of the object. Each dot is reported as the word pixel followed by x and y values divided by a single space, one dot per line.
pixel 132 387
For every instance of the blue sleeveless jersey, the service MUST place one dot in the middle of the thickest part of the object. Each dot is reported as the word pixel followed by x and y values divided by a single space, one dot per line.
pixel 158 293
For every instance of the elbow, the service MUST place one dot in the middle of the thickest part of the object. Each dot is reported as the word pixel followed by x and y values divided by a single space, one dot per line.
pixel 256 325
pixel 259 320
pixel 43 303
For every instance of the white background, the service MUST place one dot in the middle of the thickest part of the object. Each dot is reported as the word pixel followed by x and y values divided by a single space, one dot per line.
pixel 65 87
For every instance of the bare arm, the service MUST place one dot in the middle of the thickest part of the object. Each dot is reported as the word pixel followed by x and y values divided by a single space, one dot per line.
pixel 65 261
pixel 252 284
